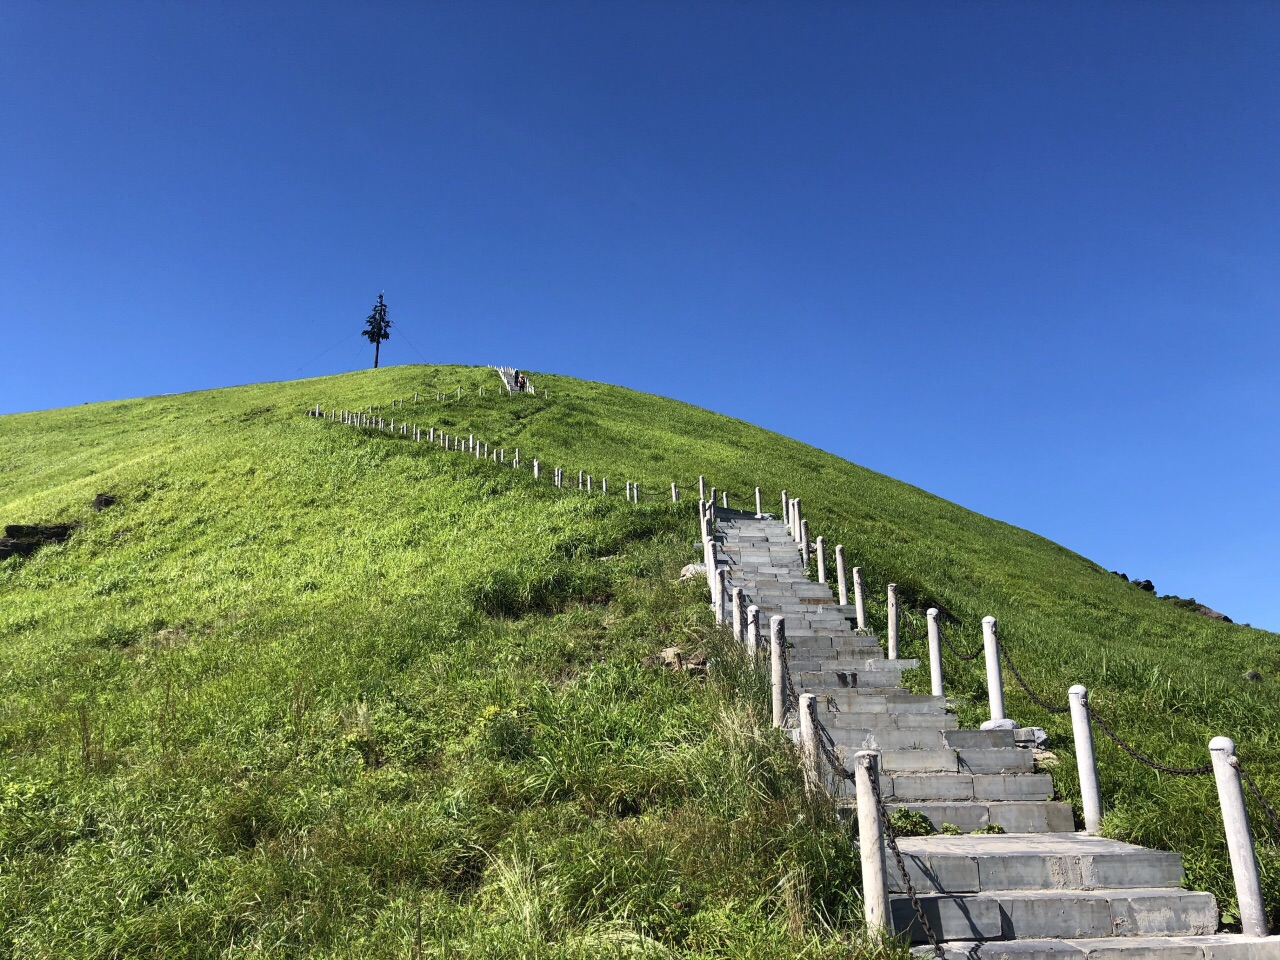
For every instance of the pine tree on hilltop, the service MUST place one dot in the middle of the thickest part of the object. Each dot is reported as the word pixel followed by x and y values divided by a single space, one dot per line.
pixel 377 328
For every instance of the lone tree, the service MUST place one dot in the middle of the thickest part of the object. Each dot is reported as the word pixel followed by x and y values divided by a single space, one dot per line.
pixel 377 328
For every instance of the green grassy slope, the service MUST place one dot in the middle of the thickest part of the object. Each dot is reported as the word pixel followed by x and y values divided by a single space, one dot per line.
pixel 309 692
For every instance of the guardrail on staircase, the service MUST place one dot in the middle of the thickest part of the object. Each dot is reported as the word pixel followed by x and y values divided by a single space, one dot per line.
pixel 815 742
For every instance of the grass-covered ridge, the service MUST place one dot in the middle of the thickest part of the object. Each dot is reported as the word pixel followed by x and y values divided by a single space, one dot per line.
pixel 306 691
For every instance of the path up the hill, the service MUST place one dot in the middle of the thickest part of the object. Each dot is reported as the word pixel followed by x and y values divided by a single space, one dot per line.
pixel 1037 890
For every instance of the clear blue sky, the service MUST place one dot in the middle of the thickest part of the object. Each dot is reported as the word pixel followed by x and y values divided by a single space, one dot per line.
pixel 1023 255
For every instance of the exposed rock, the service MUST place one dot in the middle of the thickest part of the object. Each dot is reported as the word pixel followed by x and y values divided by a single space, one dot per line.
pixel 691 570
pixel 104 500
pixel 1005 724
pixel 1252 675
pixel 23 539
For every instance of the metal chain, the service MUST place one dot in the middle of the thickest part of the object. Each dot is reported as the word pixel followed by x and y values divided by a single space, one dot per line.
pixel 1042 704
pixel 1143 758
pixel 891 841
pixel 1262 801
pixel 952 647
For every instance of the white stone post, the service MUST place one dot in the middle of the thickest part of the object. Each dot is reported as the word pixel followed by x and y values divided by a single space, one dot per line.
pixel 797 521
pixel 628 490
pixel 1086 764
pixel 588 483
pixel 859 608
pixel 515 461
pixel 675 493
pixel 786 510
pixel 580 479
pixel 1235 819
pixel 721 593
pixel 777 650
pixel 702 487
pixel 753 631
pixel 535 468
pixel 822 561
pixel 709 561
pixel 842 584
pixel 759 506
pixel 935 652
pixel 711 500
pixel 635 493
pixel 891 641
pixel 875 882
pixel 995 682
pixel 809 755
pixel 804 542
pixel 724 499
pixel 737 597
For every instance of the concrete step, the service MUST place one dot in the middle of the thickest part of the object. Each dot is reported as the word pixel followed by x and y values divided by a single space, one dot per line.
pixel 1014 816
pixel 1052 861
pixel 1221 946
pixel 1028 914
pixel 952 787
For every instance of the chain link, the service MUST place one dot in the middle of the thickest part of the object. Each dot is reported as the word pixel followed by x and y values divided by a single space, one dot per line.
pixel 1042 704
pixel 954 649
pixel 1262 801
pixel 1143 758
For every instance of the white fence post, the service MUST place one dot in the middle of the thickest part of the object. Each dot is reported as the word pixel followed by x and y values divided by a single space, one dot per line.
pixel 935 652
pixel 875 878
pixel 777 650
pixel 1086 764
pixel 786 510
pixel 1235 820
pixel 675 494
pixel 797 521
pixel 859 607
pixel 892 631
pixel 759 508
pixel 841 584
pixel 722 589
pixel 737 596
pixel 822 561
pixel 995 682
pixel 753 631
pixel 702 487
pixel 535 468
pixel 724 499
pixel 809 756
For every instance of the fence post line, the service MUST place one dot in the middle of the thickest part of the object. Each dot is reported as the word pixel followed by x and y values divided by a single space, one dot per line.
pixel 1086 762
pixel 822 561
pixel 935 652
pixel 777 643
pixel 759 507
pixel 675 496
pixel 753 632
pixel 892 612
pixel 995 682
pixel 858 606
pixel 875 879
pixel 841 584
pixel 1235 819
pixel 702 487
pixel 737 598
pixel 804 543
pixel 808 744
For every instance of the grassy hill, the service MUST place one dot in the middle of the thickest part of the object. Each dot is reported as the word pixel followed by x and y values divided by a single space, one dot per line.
pixel 305 691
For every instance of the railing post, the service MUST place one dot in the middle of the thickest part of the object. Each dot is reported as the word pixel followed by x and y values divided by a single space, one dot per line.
pixel 786 510
pixel 675 494
pixel 995 682
pixel 822 561
pixel 753 632
pixel 875 876
pixel 858 606
pixel 535 468
pixel 1235 821
pixel 935 652
pixel 702 487
pixel 804 542
pixel 759 509
pixel 712 498
pixel 777 645
pixel 841 584
pixel 724 499
pixel 797 520
pixel 891 640
pixel 737 597
pixel 722 588
pixel 1086 763
pixel 808 744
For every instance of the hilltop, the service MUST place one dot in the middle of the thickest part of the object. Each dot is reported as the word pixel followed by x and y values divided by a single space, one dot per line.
pixel 303 690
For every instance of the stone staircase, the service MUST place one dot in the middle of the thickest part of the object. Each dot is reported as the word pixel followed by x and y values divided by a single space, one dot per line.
pixel 1039 889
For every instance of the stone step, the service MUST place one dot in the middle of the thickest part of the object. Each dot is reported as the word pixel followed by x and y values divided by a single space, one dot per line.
pixel 1014 816
pixel 1068 861
pixel 1221 946
pixel 897 699
pixel 900 787
pixel 1028 914
pixel 874 721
